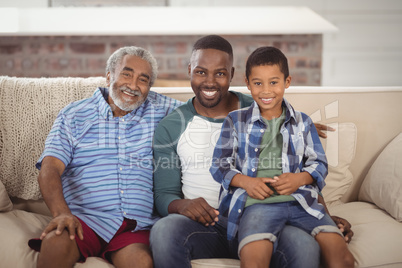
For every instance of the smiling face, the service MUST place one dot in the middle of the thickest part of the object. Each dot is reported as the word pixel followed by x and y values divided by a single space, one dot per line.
pixel 267 85
pixel 211 71
pixel 129 85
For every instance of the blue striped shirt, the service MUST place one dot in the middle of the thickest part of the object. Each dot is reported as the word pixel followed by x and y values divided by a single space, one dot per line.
pixel 238 148
pixel 108 160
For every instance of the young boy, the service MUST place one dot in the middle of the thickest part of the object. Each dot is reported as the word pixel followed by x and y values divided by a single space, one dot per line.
pixel 272 166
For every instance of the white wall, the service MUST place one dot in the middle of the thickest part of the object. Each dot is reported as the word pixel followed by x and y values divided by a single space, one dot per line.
pixel 367 50
pixel 24 3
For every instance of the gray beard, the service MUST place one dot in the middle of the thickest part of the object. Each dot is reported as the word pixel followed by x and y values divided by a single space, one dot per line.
pixel 122 105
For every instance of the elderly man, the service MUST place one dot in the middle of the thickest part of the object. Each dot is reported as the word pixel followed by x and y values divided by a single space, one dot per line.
pixel 96 169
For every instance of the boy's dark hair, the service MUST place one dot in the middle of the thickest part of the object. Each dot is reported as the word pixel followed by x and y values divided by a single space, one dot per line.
pixel 267 56
pixel 214 42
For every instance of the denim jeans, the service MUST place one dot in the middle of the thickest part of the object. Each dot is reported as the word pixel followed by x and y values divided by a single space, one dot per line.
pixel 266 221
pixel 176 240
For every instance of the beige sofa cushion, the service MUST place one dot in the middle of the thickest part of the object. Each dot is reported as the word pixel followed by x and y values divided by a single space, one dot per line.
pixel 340 149
pixel 5 202
pixel 383 183
pixel 377 236
pixel 19 226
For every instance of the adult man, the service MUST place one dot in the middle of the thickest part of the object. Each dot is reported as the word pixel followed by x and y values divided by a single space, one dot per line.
pixel 184 188
pixel 96 169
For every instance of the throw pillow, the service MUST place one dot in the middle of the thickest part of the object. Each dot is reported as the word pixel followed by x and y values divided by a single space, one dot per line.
pixel 5 202
pixel 383 183
pixel 340 149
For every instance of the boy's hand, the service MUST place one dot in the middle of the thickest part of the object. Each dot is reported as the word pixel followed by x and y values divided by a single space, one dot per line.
pixel 288 183
pixel 257 187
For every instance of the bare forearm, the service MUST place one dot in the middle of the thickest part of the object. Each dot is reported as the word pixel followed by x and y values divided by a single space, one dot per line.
pixel 51 187
pixel 305 178
pixel 53 196
pixel 240 180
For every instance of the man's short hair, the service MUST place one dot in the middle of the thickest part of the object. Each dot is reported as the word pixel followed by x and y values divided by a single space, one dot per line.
pixel 214 42
pixel 267 56
pixel 117 57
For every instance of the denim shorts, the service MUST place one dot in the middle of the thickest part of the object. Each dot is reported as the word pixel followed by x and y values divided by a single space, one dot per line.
pixel 265 222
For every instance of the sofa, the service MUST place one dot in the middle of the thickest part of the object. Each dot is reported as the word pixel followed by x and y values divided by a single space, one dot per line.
pixel 364 184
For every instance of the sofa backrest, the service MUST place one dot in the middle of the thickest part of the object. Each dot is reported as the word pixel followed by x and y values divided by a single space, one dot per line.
pixel 28 107
pixel 374 110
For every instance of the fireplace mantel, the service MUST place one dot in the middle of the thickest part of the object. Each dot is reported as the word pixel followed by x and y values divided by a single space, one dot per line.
pixel 162 21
